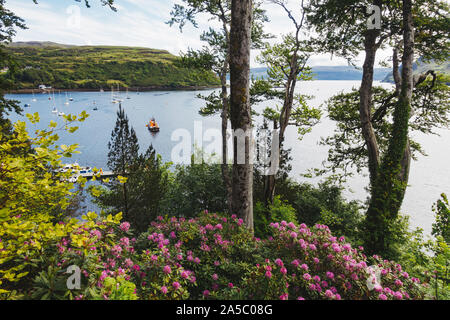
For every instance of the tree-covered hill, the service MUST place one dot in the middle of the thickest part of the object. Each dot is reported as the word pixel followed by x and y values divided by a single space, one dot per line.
pixel 95 67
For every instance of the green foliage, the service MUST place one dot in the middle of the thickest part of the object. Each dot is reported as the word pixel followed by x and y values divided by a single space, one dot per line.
pixel 428 260
pixel 33 193
pixel 142 183
pixel 117 289
pixel 441 226
pixel 94 67
pixel 347 154
pixel 278 211
pixel 8 22
pixel 194 188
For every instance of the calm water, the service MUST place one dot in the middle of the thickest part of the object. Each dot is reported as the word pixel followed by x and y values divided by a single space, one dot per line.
pixel 178 110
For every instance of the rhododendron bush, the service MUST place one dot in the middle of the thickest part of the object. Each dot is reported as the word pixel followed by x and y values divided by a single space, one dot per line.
pixel 209 257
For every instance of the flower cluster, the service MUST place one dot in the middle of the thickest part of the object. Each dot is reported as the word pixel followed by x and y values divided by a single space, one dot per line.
pixel 216 257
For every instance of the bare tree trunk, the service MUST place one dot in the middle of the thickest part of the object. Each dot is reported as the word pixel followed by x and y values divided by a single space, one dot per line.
pixel 365 104
pixel 225 110
pixel 224 115
pixel 240 42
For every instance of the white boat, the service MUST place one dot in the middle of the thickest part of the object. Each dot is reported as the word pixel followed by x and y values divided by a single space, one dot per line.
pixel 61 113
pixel 33 99
pixel 113 99
pixel 67 100
pixel 128 97
pixel 54 110
pixel 118 95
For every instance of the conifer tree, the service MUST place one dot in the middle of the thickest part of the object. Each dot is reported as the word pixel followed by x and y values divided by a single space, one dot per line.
pixel 122 158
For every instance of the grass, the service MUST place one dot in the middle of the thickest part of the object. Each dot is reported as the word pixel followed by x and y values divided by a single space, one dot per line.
pixel 95 67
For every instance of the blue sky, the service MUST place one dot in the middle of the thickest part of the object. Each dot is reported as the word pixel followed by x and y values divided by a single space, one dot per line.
pixel 136 23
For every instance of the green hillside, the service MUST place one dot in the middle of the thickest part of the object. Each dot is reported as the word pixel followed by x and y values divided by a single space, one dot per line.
pixel 94 67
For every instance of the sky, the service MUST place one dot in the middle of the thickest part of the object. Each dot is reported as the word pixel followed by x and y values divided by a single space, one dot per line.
pixel 136 23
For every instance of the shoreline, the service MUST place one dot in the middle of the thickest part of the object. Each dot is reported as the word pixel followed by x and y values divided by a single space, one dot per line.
pixel 130 89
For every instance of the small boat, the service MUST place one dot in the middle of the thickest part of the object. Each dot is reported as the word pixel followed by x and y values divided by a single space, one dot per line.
pixel 61 113
pixel 128 97
pixel 34 98
pixel 26 105
pixel 152 125
pixel 54 110
pixel 67 100
pixel 95 108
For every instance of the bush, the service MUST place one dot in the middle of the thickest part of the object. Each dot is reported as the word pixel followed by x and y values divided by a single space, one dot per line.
pixel 211 257
pixel 278 211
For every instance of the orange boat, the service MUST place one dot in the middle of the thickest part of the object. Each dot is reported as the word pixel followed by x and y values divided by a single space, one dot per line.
pixel 152 126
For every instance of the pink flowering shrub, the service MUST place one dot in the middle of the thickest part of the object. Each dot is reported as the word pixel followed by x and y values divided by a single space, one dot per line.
pixel 227 262
pixel 213 257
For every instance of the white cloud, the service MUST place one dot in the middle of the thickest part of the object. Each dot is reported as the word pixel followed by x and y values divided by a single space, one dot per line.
pixel 137 23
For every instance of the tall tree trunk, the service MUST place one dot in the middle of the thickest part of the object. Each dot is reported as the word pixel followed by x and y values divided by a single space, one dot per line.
pixel 225 110
pixel 240 41
pixel 269 179
pixel 365 104
pixel 390 185
pixel 224 115
pixel 285 114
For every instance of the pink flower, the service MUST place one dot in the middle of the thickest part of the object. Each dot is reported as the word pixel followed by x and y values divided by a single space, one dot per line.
pixel 307 276
pixel 329 294
pixel 284 296
pixel 125 241
pixel 176 285
pixel 304 267
pixel 382 297
pixel 219 226
pixel 124 226
pixel 96 233
pixel 230 285
pixel 295 263
pixel 206 293
pixel 215 276
pixel 279 262
pixel 398 295
pixel 164 289
pixel 167 269
pixel 268 274
pixel 283 270
pixel 300 298
pixel 330 275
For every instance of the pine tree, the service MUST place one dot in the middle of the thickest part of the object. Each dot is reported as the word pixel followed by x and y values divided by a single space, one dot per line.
pixel 122 158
